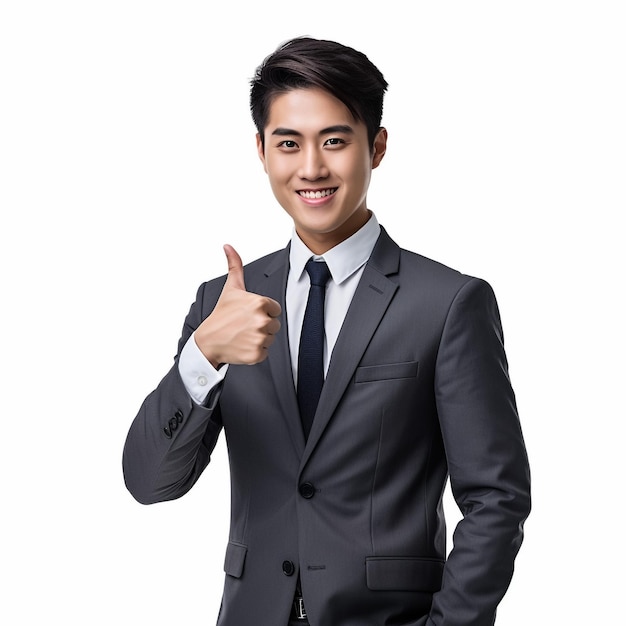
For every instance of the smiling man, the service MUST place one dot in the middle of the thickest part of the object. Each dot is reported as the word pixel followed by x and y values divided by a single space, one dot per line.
pixel 319 160
pixel 351 379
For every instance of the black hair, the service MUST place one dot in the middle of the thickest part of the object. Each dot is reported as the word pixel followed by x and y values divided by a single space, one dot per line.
pixel 304 62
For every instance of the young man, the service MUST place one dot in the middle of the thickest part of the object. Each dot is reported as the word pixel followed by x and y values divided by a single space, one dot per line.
pixel 351 377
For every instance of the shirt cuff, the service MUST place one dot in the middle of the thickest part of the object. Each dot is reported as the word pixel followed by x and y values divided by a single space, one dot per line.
pixel 197 373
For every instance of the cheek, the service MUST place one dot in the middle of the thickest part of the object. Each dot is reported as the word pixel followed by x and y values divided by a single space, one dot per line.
pixel 356 169
pixel 277 171
pixel 359 177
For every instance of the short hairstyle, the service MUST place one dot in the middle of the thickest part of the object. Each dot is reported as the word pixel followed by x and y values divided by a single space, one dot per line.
pixel 304 62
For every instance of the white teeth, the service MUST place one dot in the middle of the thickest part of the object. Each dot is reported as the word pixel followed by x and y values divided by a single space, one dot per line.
pixel 316 194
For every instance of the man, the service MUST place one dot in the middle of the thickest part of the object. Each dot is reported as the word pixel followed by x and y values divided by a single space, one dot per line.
pixel 351 378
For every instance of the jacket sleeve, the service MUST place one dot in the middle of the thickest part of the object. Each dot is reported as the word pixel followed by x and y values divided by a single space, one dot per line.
pixel 487 460
pixel 170 442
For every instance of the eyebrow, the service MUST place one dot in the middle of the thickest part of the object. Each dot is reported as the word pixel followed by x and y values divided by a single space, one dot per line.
pixel 337 128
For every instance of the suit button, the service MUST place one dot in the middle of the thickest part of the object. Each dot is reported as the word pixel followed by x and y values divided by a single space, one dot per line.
pixel 307 490
pixel 288 568
pixel 179 416
pixel 168 432
pixel 173 423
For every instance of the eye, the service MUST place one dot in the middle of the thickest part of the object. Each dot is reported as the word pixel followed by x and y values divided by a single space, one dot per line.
pixel 334 141
pixel 288 144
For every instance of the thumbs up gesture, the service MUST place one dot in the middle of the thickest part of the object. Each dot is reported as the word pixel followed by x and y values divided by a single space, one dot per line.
pixel 242 325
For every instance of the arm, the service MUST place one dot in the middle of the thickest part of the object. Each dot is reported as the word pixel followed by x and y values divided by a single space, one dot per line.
pixel 486 457
pixel 171 439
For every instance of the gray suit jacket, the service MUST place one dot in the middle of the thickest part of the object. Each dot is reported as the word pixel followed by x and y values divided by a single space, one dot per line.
pixel 417 389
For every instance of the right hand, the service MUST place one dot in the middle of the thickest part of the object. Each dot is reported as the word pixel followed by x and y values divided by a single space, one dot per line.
pixel 242 325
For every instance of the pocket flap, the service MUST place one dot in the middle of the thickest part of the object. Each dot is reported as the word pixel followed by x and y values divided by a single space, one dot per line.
pixel 388 371
pixel 235 559
pixel 403 573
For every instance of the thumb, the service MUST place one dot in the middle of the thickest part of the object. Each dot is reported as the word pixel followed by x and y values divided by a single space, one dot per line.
pixel 234 280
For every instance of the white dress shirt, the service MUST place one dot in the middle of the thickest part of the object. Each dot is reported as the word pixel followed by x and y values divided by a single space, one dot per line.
pixel 345 261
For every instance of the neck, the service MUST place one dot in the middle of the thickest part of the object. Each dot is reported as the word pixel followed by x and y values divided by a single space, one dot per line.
pixel 319 243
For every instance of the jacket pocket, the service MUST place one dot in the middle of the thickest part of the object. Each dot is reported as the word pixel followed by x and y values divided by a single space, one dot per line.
pixel 235 559
pixel 404 573
pixel 369 373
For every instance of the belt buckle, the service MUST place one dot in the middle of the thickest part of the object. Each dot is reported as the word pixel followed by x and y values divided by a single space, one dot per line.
pixel 298 605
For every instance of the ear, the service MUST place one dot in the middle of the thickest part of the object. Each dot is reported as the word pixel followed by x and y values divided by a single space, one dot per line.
pixel 380 147
pixel 260 151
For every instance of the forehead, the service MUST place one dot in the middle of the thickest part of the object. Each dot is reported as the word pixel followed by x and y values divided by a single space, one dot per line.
pixel 308 108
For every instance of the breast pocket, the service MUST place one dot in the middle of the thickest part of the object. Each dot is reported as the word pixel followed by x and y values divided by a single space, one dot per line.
pixel 387 371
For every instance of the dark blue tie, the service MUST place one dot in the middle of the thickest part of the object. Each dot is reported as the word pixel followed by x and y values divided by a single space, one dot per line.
pixel 311 353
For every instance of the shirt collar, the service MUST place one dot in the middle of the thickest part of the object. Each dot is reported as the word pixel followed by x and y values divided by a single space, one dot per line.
pixel 342 260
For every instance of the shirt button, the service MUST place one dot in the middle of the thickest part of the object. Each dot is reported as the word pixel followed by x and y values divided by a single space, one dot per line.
pixel 202 381
pixel 288 568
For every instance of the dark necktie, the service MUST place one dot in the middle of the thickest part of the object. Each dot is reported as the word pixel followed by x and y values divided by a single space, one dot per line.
pixel 311 353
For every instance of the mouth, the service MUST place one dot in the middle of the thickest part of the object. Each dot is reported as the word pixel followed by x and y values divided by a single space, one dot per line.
pixel 316 194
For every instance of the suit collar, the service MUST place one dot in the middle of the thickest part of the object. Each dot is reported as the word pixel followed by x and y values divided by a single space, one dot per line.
pixel 371 299
pixel 386 255
pixel 369 304
pixel 279 360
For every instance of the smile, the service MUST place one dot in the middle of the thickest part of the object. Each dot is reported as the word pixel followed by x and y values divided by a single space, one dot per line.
pixel 320 193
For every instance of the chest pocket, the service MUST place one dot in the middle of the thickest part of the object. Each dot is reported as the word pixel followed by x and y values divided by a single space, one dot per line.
pixel 388 371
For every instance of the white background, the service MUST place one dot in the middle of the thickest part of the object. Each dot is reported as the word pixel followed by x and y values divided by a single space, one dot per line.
pixel 127 159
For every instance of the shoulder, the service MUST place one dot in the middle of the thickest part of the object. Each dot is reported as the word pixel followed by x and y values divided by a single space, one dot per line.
pixel 411 266
pixel 438 282
pixel 429 269
pixel 426 280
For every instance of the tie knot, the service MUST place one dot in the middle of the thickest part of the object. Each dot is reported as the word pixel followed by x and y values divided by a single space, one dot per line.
pixel 318 272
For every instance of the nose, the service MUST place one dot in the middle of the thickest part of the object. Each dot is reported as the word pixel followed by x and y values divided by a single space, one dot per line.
pixel 312 165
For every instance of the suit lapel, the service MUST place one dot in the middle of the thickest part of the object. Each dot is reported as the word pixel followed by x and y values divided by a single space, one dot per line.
pixel 371 299
pixel 279 357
